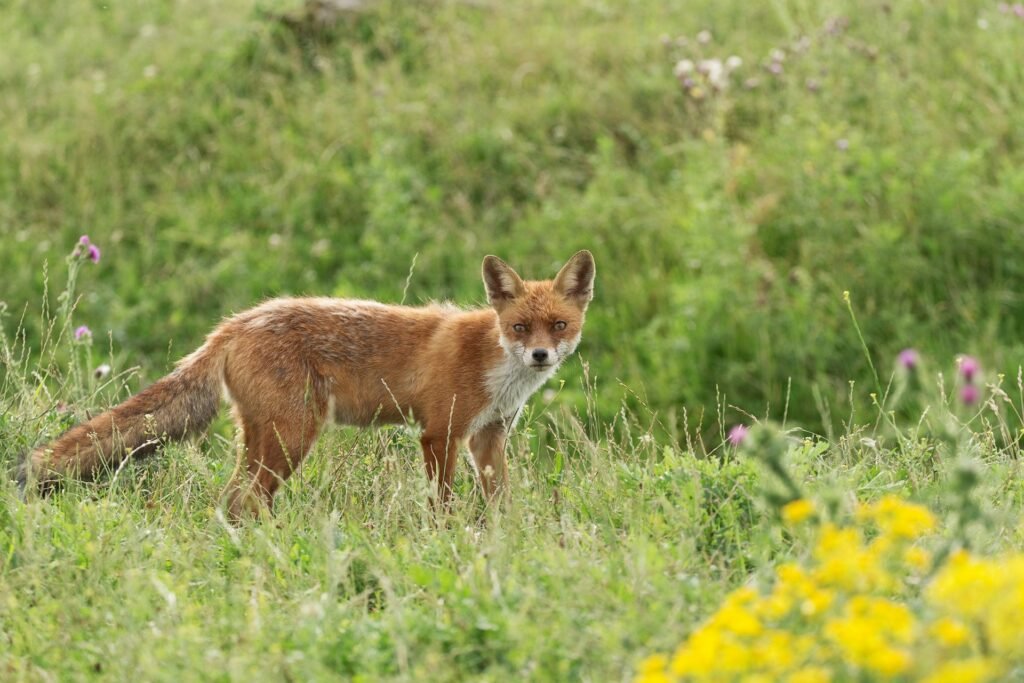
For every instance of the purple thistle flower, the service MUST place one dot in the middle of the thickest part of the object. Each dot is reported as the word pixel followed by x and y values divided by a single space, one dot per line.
pixel 82 331
pixel 84 240
pixel 969 367
pixel 969 394
pixel 738 434
pixel 908 358
pixel 94 253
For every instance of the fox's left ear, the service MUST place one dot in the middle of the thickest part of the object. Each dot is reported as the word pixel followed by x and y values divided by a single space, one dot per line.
pixel 576 278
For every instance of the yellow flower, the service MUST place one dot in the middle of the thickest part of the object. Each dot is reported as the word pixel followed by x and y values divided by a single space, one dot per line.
pixel 917 558
pixel 653 670
pixel 735 615
pixel 967 587
pixel 795 587
pixel 654 664
pixel 811 674
pixel 949 632
pixel 898 518
pixel 973 670
pixel 870 632
pixel 776 651
pixel 709 651
pixel 797 511
pixel 844 561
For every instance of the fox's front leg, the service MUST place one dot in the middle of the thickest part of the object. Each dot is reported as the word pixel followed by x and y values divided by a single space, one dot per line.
pixel 488 449
pixel 440 455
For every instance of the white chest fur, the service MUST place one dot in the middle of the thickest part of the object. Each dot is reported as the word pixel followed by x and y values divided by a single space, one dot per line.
pixel 509 384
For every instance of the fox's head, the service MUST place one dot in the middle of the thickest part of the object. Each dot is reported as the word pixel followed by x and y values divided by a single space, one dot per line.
pixel 540 321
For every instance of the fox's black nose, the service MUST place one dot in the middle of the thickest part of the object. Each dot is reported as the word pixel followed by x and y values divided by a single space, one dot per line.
pixel 540 355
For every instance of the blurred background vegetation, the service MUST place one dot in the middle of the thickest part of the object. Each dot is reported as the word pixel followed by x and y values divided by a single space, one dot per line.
pixel 224 152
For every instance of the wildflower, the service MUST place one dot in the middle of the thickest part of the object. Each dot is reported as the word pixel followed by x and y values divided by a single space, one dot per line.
pixel 969 394
pixel 917 558
pixel 712 68
pixel 91 251
pixel 684 67
pixel 897 518
pixel 972 670
pixel 870 633
pixel 81 332
pixel 733 63
pixel 908 359
pixel 704 37
pixel 775 68
pixel 738 434
pixel 101 371
pixel 949 632
pixel 652 670
pixel 842 144
pixel 969 367
pixel 811 674
pixel 797 511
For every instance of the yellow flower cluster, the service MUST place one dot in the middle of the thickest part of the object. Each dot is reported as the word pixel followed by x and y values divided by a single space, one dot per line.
pixel 862 608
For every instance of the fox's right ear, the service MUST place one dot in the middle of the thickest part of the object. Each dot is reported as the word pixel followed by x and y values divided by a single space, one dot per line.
pixel 502 283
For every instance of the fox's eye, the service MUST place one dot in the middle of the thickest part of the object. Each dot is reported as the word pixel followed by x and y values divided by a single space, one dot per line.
pixel 559 326
pixel 519 327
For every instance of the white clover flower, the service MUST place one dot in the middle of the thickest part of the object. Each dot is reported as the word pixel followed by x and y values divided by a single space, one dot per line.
pixel 712 68
pixel 704 37
pixel 777 55
pixel 683 68
pixel 733 63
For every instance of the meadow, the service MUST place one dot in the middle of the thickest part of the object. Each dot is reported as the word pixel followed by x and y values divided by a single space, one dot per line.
pixel 780 197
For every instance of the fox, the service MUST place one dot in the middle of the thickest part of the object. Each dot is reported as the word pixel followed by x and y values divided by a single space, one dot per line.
pixel 289 366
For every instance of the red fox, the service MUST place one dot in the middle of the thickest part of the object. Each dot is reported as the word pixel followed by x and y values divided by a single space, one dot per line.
pixel 290 365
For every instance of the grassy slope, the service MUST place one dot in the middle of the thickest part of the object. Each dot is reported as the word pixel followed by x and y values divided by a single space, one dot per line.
pixel 218 160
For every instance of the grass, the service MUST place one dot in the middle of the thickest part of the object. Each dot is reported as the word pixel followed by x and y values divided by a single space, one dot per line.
pixel 219 157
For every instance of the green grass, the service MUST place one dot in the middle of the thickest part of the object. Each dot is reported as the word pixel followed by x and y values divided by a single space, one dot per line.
pixel 219 157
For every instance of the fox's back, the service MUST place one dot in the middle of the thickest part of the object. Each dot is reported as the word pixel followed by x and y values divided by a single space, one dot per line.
pixel 372 359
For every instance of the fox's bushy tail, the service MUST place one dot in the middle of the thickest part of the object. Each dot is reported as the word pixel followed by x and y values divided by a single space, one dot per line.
pixel 179 405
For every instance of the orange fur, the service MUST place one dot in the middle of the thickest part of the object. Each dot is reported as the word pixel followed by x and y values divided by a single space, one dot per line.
pixel 288 366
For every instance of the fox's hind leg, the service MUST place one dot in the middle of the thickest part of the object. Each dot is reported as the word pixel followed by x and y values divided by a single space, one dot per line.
pixel 273 450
